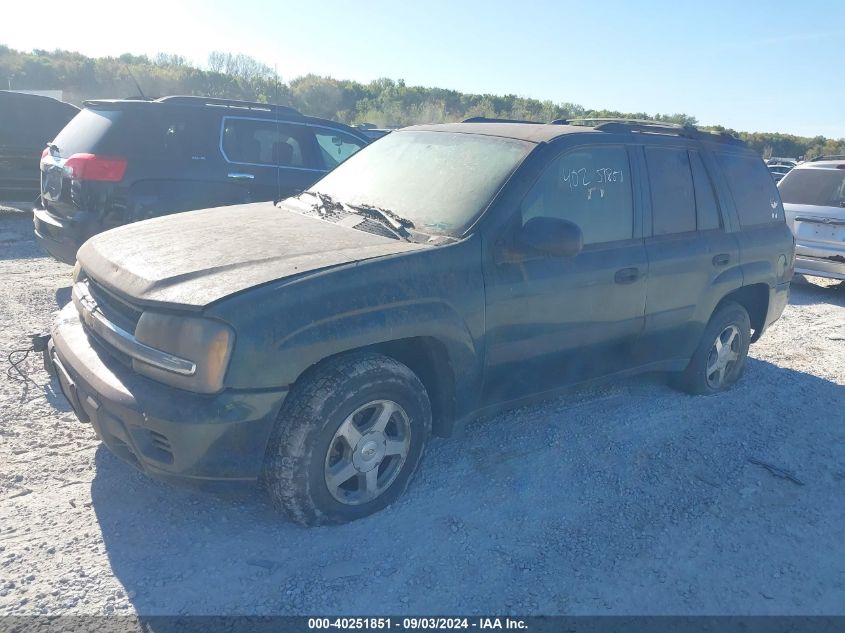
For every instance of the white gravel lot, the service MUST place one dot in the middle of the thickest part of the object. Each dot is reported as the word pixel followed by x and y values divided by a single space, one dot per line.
pixel 628 499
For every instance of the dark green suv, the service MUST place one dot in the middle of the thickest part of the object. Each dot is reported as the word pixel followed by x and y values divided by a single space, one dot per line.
pixel 314 345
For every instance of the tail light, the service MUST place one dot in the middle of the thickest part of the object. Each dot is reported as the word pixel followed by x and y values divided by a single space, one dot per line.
pixel 93 167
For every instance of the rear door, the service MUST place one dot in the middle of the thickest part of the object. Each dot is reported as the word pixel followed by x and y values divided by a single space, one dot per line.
pixel 765 241
pixel 553 321
pixel 269 159
pixel 693 260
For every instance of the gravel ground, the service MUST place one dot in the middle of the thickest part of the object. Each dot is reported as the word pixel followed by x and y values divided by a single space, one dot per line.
pixel 627 499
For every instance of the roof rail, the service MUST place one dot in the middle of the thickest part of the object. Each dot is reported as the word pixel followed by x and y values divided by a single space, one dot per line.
pixel 828 157
pixel 484 119
pixel 651 127
pixel 605 120
pixel 228 103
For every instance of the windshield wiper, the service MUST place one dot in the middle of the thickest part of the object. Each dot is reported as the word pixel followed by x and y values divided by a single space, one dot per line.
pixel 398 226
pixel 325 203
pixel 395 223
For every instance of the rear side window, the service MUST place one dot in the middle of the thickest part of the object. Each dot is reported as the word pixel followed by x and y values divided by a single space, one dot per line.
pixel 814 186
pixel 265 142
pixel 754 192
pixel 336 147
pixel 175 134
pixel 672 193
pixel 589 186
pixel 707 209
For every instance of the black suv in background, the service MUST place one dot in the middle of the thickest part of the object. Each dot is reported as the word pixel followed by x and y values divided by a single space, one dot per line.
pixel 442 272
pixel 27 122
pixel 122 161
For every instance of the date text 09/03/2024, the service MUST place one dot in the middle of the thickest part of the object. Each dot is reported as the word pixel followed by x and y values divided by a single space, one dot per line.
pixel 423 623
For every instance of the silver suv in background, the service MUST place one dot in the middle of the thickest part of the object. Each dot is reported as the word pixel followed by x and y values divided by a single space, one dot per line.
pixel 813 196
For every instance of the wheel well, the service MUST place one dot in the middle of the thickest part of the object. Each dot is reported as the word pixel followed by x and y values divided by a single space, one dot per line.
pixel 755 300
pixel 428 359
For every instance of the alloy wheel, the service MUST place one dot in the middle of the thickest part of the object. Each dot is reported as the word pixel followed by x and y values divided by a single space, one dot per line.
pixel 367 452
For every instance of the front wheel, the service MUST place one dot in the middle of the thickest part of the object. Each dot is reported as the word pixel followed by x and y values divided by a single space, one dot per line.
pixel 349 439
pixel 719 360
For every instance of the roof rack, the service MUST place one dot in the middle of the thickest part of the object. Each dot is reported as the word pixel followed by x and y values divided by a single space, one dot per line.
pixel 828 157
pixel 647 126
pixel 604 120
pixel 228 103
pixel 484 119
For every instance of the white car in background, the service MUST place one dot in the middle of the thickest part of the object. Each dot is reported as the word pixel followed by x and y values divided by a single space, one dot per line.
pixel 813 196
pixel 779 167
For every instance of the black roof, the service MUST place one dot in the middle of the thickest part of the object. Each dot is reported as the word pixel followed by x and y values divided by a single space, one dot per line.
pixel 199 101
pixel 229 106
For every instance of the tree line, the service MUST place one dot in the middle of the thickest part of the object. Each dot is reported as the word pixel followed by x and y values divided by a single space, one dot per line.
pixel 382 102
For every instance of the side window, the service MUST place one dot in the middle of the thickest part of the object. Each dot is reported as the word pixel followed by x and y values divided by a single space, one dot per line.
pixel 754 192
pixel 263 142
pixel 185 138
pixel 589 186
pixel 164 134
pixel 336 147
pixel 705 199
pixel 672 194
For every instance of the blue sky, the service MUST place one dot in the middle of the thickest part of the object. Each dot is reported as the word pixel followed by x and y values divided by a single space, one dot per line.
pixel 749 65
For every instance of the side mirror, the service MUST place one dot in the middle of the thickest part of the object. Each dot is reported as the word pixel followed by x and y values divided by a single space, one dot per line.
pixel 553 236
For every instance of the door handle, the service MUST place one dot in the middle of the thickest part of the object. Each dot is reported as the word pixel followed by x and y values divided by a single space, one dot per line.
pixel 241 176
pixel 626 275
pixel 721 259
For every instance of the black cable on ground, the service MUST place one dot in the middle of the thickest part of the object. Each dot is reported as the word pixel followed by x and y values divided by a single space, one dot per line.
pixel 15 366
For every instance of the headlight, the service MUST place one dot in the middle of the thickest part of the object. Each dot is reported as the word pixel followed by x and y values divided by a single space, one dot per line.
pixel 208 344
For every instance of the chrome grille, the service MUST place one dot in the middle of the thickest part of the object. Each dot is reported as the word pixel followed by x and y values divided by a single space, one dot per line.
pixel 115 309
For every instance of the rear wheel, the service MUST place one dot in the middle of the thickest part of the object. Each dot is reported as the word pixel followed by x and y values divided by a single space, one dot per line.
pixel 719 360
pixel 348 441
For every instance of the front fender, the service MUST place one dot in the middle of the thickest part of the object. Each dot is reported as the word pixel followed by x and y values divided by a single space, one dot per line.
pixel 285 327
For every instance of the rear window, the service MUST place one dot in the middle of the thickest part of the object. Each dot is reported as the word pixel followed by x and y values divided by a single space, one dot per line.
pixel 86 132
pixel 817 187
pixel 754 192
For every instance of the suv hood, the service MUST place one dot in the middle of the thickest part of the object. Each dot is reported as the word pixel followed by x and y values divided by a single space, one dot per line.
pixel 193 259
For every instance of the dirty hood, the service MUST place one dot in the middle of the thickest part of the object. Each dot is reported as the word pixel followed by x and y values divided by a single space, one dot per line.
pixel 192 259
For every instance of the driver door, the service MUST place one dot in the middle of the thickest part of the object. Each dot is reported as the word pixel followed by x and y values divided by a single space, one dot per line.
pixel 553 321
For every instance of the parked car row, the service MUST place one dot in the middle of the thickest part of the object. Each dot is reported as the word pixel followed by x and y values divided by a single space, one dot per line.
pixel 315 343
pixel 779 167
pixel 27 121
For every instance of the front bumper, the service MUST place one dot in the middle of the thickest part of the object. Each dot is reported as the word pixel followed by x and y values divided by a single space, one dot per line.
pixel 213 441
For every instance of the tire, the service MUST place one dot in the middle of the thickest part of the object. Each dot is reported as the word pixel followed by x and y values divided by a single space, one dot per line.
pixel 731 324
pixel 327 461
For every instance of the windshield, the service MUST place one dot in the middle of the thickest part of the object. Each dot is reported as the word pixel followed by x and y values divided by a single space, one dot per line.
pixel 819 187
pixel 439 181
